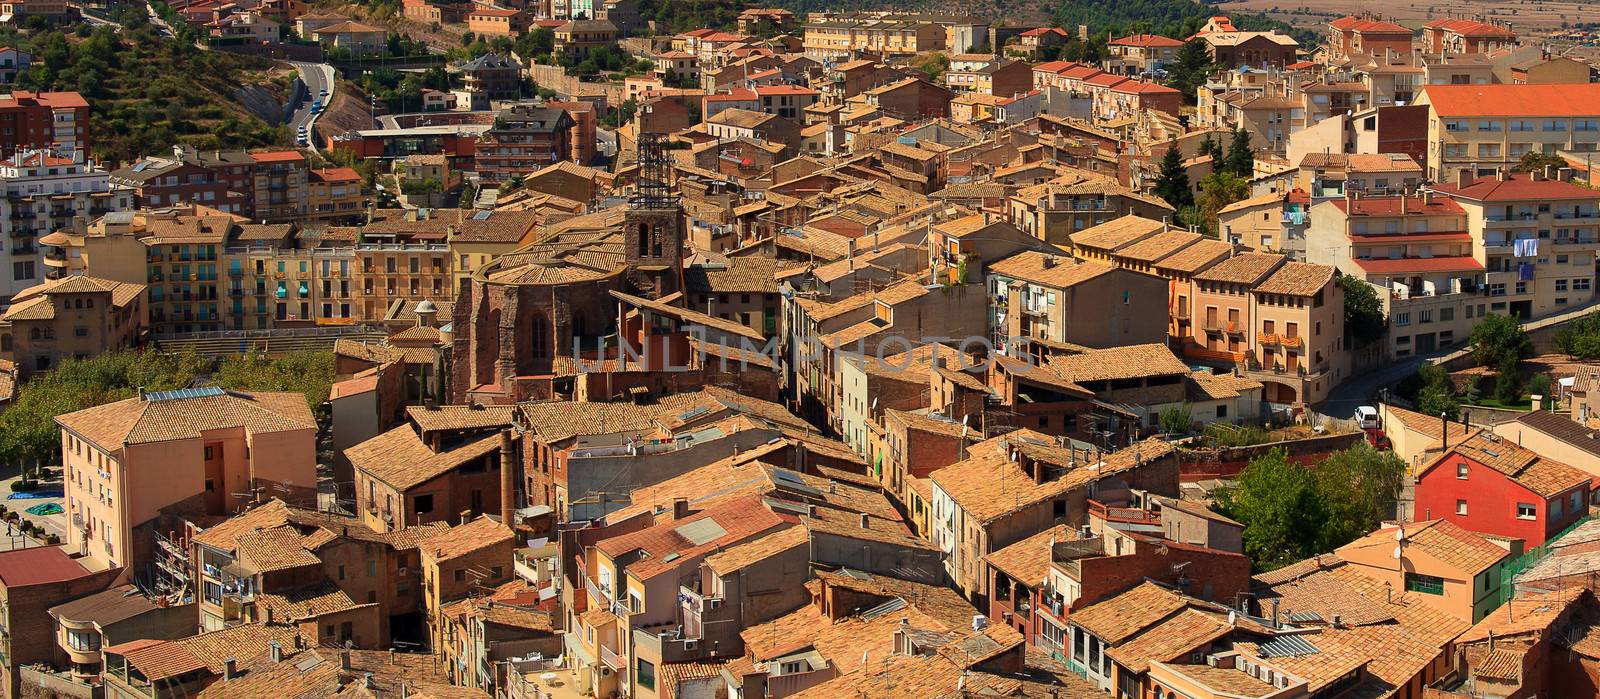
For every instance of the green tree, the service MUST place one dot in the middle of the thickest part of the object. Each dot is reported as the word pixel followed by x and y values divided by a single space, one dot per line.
pixel 1437 394
pixel 1177 419
pixel 1498 338
pixel 1277 503
pixel 1190 69
pixel 932 65
pixel 1508 382
pixel 1241 159
pixel 1217 190
pixel 1172 182
pixel 307 372
pixel 1211 147
pixel 1359 488
pixel 1536 161
pixel 1363 311
pixel 1580 338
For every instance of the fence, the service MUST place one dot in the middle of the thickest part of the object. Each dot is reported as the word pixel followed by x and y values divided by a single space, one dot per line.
pixel 1529 559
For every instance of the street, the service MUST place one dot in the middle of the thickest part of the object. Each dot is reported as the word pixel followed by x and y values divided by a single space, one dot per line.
pixel 317 77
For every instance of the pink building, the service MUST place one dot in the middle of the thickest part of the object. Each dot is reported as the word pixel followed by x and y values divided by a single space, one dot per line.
pixel 136 468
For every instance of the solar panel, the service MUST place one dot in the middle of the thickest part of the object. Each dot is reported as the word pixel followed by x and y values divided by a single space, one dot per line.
pixel 1287 647
pixel 701 531
pixel 182 393
pixel 893 605
pixel 481 215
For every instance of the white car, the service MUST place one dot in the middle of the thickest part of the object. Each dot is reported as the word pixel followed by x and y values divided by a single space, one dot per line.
pixel 1367 418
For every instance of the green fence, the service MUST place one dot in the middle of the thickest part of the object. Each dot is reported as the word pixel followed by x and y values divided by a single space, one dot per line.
pixel 1529 559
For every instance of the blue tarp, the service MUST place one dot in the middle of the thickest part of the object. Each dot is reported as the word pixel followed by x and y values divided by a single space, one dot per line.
pixel 37 494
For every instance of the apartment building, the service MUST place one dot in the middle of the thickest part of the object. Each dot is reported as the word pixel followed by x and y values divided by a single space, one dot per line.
pixel 1536 235
pixel 280 185
pixel 578 37
pixel 56 121
pixel 1469 36
pixel 1278 322
pixel 402 266
pixel 1055 210
pixel 42 193
pixel 136 467
pixel 1418 250
pixel 70 318
pixel 524 139
pixel 1140 54
pixel 1352 36
pixel 1481 128
pixel 842 38
pixel 223 180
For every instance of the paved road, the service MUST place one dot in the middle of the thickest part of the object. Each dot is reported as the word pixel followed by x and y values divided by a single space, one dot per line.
pixel 317 77
pixel 1361 390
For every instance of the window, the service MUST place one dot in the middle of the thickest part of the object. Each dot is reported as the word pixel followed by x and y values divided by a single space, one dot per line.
pixel 1455 125
pixel 83 640
pixel 1222 412
pixel 1461 507
pixel 647 674
pixel 423 503
pixel 1526 510
pixel 1402 319
pixel 461 576
pixel 1488 126
pixel 1426 584
pixel 1555 125
pixel 1461 471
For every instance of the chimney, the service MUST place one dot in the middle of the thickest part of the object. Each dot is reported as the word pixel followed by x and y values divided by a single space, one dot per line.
pixel 269 616
pixel 680 508
pixel 1405 206
pixel 1049 261
pixel 508 481
pixel 1444 430
pixel 1427 197
pixel 276 651
pixel 1463 178
pixel 230 669
pixel 1500 174
pixel 1564 174
pixel 466 516
pixel 1038 470
pixel 344 658
pixel 366 681
pixel 850 254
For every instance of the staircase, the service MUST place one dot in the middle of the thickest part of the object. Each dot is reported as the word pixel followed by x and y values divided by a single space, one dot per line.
pixel 270 342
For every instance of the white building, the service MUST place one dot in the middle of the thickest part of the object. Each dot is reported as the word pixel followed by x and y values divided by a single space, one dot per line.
pixel 45 193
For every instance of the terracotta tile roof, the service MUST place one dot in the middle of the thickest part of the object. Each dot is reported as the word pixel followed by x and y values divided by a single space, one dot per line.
pixel 1440 539
pixel 1516 187
pixel 556 421
pixel 1470 27
pixel 463 539
pixel 1160 246
pixel 402 460
pixel 1113 363
pixel 1028 561
pixel 278 548
pixel 1563 429
pixel 1529 613
pixel 1117 619
pixel 106 607
pixel 37 566
pixel 1418 265
pixel 1544 476
pixel 1513 100
pixel 753 275
pixel 1206 386
pixel 1195 257
pixel 1225 681
pixel 159 418
pixel 1147 40
pixel 1056 271
pixel 1244 268
pixel 1361 162
pixel 1428 426
pixel 690 538
pixel 740 555
pixel 307 603
pixel 498 226
pixel 1392 206
pixel 988 485
pixel 1117 233
pixel 461 417
pixel 1297 279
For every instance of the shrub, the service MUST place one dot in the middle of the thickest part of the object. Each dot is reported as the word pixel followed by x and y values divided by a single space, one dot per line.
pixel 24 486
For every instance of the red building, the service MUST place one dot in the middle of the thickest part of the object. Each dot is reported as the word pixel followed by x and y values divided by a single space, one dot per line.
pixel 49 120
pixel 1491 486
pixel 585 123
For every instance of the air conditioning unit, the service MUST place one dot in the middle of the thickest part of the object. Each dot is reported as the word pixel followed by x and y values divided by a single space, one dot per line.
pixel 714 603
pixel 691 645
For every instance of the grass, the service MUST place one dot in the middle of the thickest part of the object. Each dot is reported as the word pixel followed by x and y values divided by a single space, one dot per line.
pixel 1522 404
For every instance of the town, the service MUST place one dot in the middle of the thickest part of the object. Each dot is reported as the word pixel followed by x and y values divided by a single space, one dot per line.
pixel 632 348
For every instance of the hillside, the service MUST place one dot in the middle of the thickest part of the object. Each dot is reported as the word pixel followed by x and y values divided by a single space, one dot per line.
pixel 147 92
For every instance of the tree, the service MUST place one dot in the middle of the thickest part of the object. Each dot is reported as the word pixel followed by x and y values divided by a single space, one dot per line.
pixel 1536 161
pixel 1437 394
pixel 1580 338
pixel 932 64
pixel 1277 503
pixel 1240 160
pixel 1363 311
pixel 1291 512
pixel 1190 69
pixel 1217 190
pixel 1499 338
pixel 1177 419
pixel 1508 383
pixel 1172 182
pixel 309 373
pixel 1211 147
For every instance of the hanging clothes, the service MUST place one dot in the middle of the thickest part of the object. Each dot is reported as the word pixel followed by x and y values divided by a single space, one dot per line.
pixel 1525 272
pixel 1526 247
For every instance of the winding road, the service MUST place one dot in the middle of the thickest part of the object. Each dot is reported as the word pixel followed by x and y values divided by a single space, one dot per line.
pixel 318 77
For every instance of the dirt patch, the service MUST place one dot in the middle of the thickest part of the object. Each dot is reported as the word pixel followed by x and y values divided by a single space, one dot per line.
pixel 350 111
pixel 1524 16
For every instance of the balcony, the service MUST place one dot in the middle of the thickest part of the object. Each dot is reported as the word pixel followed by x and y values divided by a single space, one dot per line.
pixel 1292 341
pixel 612 660
pixel 1267 339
